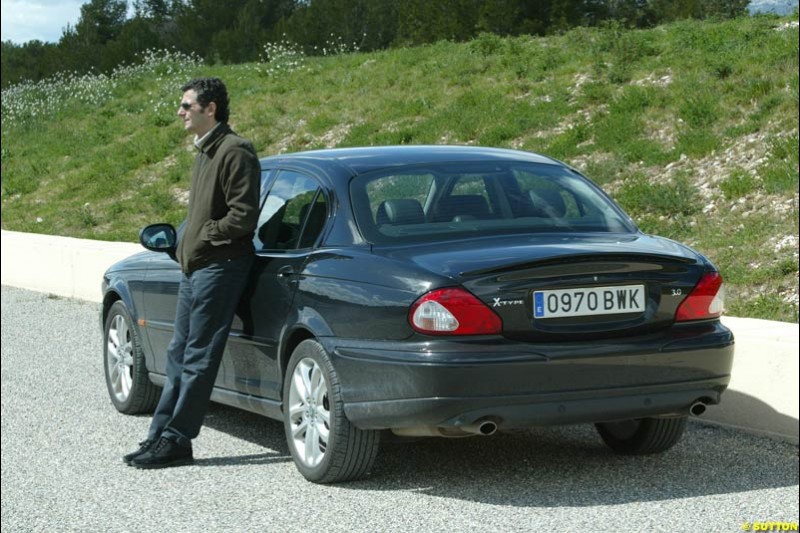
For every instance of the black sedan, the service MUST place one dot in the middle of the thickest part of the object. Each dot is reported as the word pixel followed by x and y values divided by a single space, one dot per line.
pixel 439 291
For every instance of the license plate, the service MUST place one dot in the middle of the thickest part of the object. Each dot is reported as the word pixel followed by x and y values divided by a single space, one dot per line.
pixel 589 301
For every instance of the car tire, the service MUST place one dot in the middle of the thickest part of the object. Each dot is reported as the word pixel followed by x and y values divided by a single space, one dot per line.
pixel 129 386
pixel 642 436
pixel 325 446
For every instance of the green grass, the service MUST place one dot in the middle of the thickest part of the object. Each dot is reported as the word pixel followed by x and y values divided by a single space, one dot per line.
pixel 691 127
pixel 738 184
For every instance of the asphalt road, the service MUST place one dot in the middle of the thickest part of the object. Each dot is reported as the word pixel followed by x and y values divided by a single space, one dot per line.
pixel 62 443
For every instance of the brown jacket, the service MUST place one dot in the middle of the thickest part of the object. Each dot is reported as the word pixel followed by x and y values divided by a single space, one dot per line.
pixel 223 201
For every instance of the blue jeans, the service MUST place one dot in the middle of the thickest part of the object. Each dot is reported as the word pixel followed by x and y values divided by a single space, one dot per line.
pixel 207 301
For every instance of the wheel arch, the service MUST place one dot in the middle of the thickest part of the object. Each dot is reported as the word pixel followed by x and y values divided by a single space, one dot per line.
pixel 118 290
pixel 308 324
pixel 292 341
pixel 109 299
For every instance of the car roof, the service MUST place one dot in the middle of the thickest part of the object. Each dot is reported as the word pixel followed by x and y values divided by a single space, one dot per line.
pixel 367 159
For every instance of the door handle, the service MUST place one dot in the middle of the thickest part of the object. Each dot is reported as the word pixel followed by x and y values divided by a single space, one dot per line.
pixel 286 271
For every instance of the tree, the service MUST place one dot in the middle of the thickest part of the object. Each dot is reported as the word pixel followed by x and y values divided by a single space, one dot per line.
pixel 137 36
pixel 199 20
pixel 727 8
pixel 502 17
pixel 631 13
pixel 422 21
pixel 156 10
pixel 234 31
pixel 33 61
pixel 101 20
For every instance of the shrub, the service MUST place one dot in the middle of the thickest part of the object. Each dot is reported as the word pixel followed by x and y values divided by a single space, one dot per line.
pixel 739 184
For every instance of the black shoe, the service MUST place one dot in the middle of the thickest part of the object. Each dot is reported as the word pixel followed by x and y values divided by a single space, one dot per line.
pixel 144 446
pixel 165 453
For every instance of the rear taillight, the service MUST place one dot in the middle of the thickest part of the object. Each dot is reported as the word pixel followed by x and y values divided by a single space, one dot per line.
pixel 707 299
pixel 453 312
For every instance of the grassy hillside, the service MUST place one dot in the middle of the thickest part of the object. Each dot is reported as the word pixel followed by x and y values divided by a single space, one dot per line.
pixel 692 127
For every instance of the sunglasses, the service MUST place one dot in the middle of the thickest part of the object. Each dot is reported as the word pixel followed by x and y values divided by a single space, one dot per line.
pixel 186 106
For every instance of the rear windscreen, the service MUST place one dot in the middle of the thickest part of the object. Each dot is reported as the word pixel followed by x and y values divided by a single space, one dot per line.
pixel 444 201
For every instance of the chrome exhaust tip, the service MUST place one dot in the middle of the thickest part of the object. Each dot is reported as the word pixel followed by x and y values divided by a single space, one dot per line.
pixel 697 408
pixel 481 428
pixel 487 428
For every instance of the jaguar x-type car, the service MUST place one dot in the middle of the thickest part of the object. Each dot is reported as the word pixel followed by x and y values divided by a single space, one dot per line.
pixel 439 291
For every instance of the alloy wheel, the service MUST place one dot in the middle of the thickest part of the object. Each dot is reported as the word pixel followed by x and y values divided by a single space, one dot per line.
pixel 309 412
pixel 119 358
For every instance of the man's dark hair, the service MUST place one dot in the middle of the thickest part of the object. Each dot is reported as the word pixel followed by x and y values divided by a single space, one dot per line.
pixel 211 90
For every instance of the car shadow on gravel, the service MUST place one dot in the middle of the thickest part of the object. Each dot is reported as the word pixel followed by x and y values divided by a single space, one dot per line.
pixel 744 410
pixel 250 427
pixel 241 460
pixel 569 466
pixel 546 466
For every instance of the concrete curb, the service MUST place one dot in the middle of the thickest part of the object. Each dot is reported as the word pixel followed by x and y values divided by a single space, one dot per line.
pixel 762 396
pixel 62 266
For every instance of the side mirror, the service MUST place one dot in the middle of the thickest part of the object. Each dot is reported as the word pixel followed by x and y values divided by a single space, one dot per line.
pixel 159 238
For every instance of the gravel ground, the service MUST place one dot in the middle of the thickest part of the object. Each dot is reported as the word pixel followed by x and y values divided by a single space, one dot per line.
pixel 63 442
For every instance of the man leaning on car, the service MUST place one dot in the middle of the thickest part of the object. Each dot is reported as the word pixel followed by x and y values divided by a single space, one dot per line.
pixel 215 253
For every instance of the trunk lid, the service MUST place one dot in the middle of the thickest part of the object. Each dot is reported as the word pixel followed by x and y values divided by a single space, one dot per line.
pixel 598 286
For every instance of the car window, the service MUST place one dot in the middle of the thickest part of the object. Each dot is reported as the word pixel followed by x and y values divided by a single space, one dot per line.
pixel 463 197
pixel 313 217
pixel 548 198
pixel 471 187
pixel 264 187
pixel 480 199
pixel 293 213
pixel 412 186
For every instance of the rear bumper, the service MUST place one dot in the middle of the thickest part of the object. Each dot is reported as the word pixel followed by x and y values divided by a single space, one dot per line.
pixel 457 382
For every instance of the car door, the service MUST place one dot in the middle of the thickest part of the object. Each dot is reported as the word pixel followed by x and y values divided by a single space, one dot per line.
pixel 291 219
pixel 160 298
